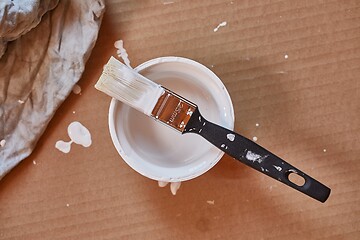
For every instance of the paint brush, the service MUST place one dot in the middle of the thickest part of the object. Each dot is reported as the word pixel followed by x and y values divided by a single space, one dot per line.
pixel 182 115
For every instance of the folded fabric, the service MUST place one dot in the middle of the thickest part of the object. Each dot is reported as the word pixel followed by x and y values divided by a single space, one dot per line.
pixel 38 71
pixel 17 17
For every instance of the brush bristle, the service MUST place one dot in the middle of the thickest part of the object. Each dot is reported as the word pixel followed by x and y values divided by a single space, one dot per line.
pixel 129 87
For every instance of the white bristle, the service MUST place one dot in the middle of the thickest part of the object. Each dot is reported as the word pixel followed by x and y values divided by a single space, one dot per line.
pixel 128 86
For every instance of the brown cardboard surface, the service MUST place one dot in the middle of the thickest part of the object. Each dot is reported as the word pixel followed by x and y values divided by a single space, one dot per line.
pixel 307 105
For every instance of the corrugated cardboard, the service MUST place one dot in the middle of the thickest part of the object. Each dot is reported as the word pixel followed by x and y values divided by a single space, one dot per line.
pixel 293 67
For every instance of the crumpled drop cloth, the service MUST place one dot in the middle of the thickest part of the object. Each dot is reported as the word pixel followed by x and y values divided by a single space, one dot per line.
pixel 18 17
pixel 38 71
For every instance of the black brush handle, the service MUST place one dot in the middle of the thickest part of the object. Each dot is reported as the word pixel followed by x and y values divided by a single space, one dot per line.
pixel 255 156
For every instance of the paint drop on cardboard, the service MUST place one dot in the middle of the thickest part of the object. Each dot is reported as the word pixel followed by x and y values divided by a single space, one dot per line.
pixel 78 134
pixel 63 146
pixel 121 52
pixel 76 89
pixel 222 24
pixel 174 187
pixel 162 183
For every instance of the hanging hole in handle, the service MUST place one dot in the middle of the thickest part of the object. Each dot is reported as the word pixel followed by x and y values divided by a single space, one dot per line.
pixel 296 179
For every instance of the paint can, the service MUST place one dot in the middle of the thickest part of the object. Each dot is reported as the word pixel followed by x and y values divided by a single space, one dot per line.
pixel 157 151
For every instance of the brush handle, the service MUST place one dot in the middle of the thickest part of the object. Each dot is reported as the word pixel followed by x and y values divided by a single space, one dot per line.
pixel 255 156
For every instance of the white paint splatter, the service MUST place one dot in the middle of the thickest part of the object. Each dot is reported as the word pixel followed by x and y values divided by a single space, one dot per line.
pixel 2 143
pixel 222 145
pixel 286 56
pixel 162 183
pixel 34 162
pixel 277 168
pixel 68 205
pixel 231 137
pixel 257 124
pixel 222 24
pixel 62 146
pixel 78 134
pixel 189 112
pixel 121 52
pixel 211 202
pixel 174 187
pixel 255 139
pixel 254 157
pixel 324 150
pixel 167 2
pixel 73 112
pixel 21 101
pixel 76 89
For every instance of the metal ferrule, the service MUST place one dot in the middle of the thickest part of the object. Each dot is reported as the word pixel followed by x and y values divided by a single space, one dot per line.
pixel 173 110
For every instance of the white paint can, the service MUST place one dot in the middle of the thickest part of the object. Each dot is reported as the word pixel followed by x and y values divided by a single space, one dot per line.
pixel 157 151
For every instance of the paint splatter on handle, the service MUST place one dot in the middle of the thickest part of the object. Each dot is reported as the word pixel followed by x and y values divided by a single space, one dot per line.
pixel 254 156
